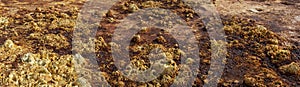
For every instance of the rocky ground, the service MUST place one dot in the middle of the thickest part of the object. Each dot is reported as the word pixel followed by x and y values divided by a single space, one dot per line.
pixel 36 44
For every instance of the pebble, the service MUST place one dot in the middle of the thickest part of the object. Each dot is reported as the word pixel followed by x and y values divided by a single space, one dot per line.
pixel 133 7
pixel 189 61
pixel 292 68
pixel 9 44
pixel 297 18
pixel 236 81
pixel 206 61
pixel 28 58
pixel 161 39
pixel 136 38
pixel 256 10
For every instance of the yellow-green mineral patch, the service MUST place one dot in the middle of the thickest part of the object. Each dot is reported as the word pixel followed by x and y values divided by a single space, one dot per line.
pixel 21 68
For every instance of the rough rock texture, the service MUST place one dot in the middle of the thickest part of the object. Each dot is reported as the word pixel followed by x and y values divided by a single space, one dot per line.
pixel 36 49
pixel 45 68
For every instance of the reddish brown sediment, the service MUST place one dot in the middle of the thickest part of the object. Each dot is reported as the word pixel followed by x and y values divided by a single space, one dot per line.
pixel 262 43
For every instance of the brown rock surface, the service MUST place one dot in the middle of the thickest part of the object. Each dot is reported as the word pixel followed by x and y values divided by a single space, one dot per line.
pixel 263 43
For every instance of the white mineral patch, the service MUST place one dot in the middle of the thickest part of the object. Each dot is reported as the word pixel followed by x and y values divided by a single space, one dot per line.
pixel 297 18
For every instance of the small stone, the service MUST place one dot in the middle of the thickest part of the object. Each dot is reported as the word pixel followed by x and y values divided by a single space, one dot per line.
pixel 9 44
pixel 133 7
pixel 292 68
pixel 189 61
pixel 100 42
pixel 29 58
pixel 236 81
pixel 136 38
pixel 253 10
pixel 249 81
pixel 206 61
pixel 161 39
pixel 111 20
pixel 206 81
pixel 111 13
pixel 144 29
pixel 226 84
pixel 297 18
pixel 121 84
pixel 256 10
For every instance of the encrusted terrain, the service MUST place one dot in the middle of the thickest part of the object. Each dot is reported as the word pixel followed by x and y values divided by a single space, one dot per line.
pixel 36 46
